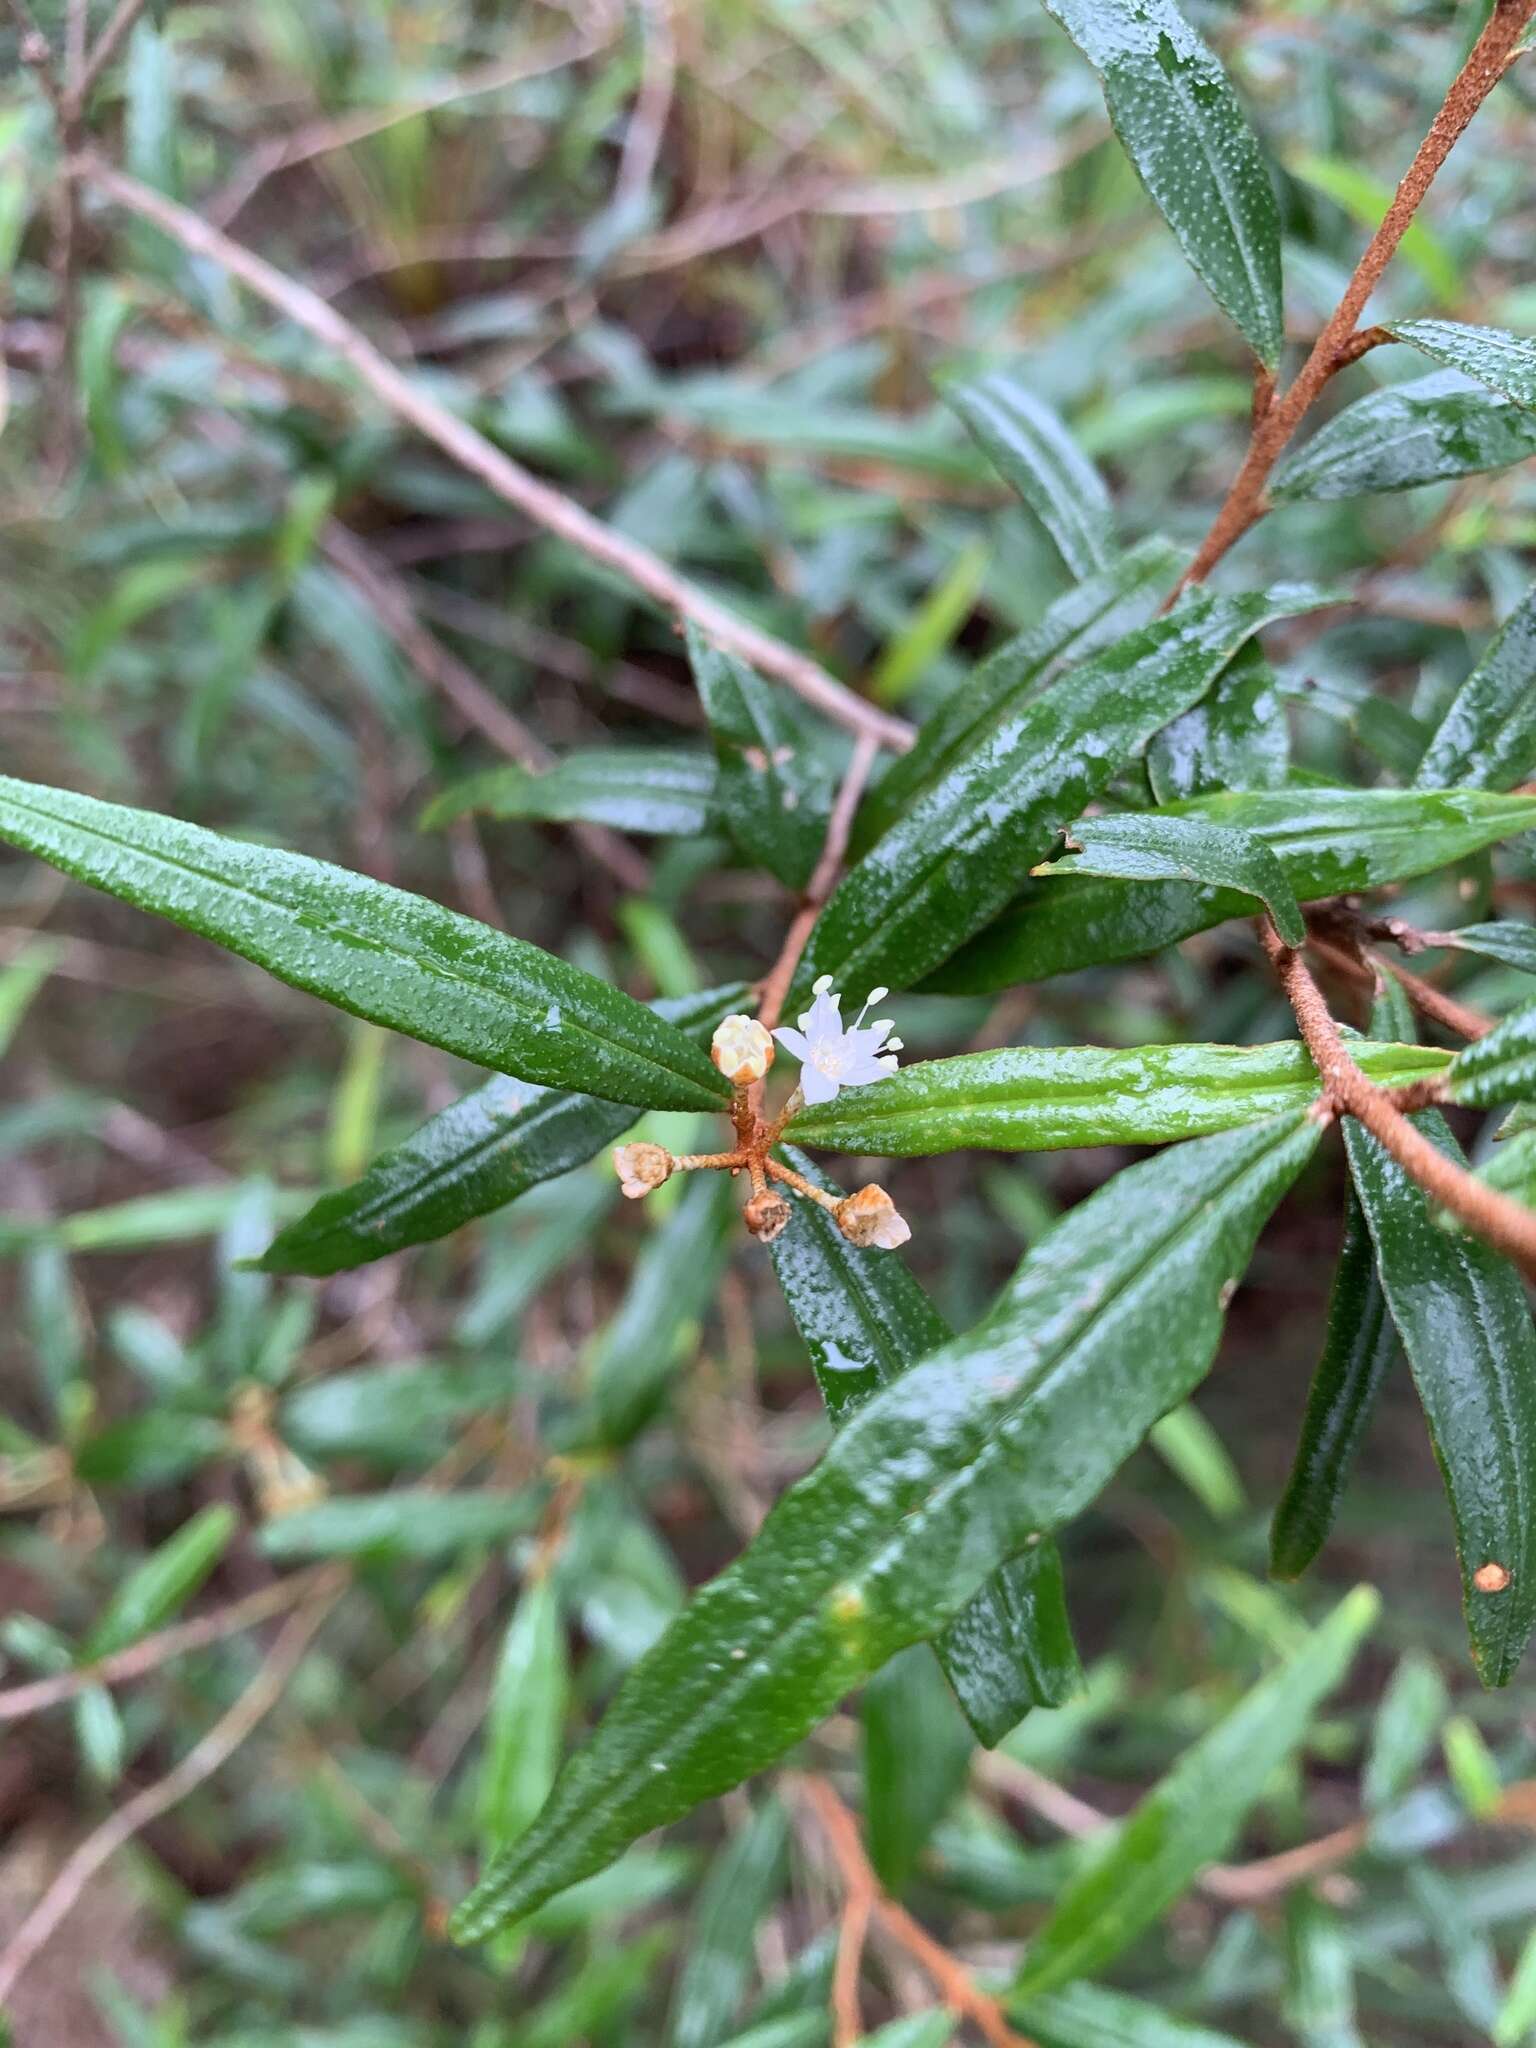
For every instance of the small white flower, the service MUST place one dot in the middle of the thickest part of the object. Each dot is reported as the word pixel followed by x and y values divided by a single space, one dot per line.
pixel 833 1055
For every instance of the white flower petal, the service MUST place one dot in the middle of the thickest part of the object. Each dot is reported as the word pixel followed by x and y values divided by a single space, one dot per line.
pixel 816 1086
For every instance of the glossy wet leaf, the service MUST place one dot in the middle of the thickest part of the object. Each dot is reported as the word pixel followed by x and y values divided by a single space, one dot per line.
pixel 865 1321
pixel 1027 1098
pixel 1184 129
pixel 1144 846
pixel 1507 940
pixel 1465 1324
pixel 377 951
pixel 1035 452
pixel 1192 1816
pixel 1091 616
pixel 1502 361
pixel 773 788
pixel 955 856
pixel 1424 432
pixel 1487 738
pixel 933 1483
pixel 1236 737
pixel 658 790
pixel 1329 841
pixel 474 1157
pixel 152 1593
pixel 1499 1068
pixel 1359 1350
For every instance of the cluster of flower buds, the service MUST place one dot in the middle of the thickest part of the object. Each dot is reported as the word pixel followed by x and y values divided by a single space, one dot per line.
pixel 832 1056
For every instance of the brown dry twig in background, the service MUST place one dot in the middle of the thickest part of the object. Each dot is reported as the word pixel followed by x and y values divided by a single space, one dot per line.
pixel 956 1986
pixel 1340 343
pixel 214 1750
pixel 469 448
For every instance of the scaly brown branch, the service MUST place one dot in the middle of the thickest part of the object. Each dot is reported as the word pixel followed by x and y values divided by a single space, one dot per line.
pixel 1339 343
pixel 953 1981
pixel 1508 1226
pixel 463 444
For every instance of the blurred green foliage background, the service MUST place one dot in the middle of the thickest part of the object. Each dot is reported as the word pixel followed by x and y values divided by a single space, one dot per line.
pixel 701 262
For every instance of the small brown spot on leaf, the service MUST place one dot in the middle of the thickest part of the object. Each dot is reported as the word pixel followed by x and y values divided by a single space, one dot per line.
pixel 1491 1577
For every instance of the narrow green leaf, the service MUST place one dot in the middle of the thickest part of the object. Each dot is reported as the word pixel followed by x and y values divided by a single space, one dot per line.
pixel 1083 621
pixel 1504 362
pixel 1462 1315
pixel 773 788
pixel 379 952
pixel 1330 842
pixel 525 1717
pixel 100 1733
pixel 20 980
pixel 1499 1068
pixel 1470 1765
pixel 1367 198
pixel 1412 1708
pixel 1235 738
pixel 739 1887
pixel 658 790
pixel 932 627
pixel 953 858
pixel 165 1581
pixel 1511 1167
pixel 671 1286
pixel 1487 738
pixel 1189 1446
pixel 917 1750
pixel 1516 2020
pixel 152 1449
pixel 1035 452
pixel 1319 2001
pixel 1094 2016
pixel 1506 940
pixel 1027 1098
pixel 933 1483
pixel 477 1155
pixel 1192 1816
pixel 1184 129
pixel 401 1414
pixel 864 1322
pixel 1358 1351
pixel 410 1521
pixel 1139 846
pixel 1424 432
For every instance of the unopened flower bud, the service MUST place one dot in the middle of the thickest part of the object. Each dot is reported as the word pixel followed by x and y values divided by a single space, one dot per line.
pixel 871 1218
pixel 641 1168
pixel 767 1215
pixel 742 1050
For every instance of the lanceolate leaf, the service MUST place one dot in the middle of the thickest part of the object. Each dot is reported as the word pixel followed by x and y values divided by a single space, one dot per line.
pixel 481 1153
pixel 1185 130
pixel 1513 944
pixel 1035 452
pixel 1487 738
pixel 954 858
pixel 1437 427
pixel 1329 842
pixel 1234 738
pixel 865 1321
pixel 1090 616
pixel 634 789
pixel 379 952
pixel 997 1436
pixel 741 1885
pixel 1093 2016
pixel 1462 1315
pixel 1499 1068
pixel 1027 1098
pixel 773 790
pixel 1360 1347
pixel 1192 1817
pixel 1504 362
pixel 1147 847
